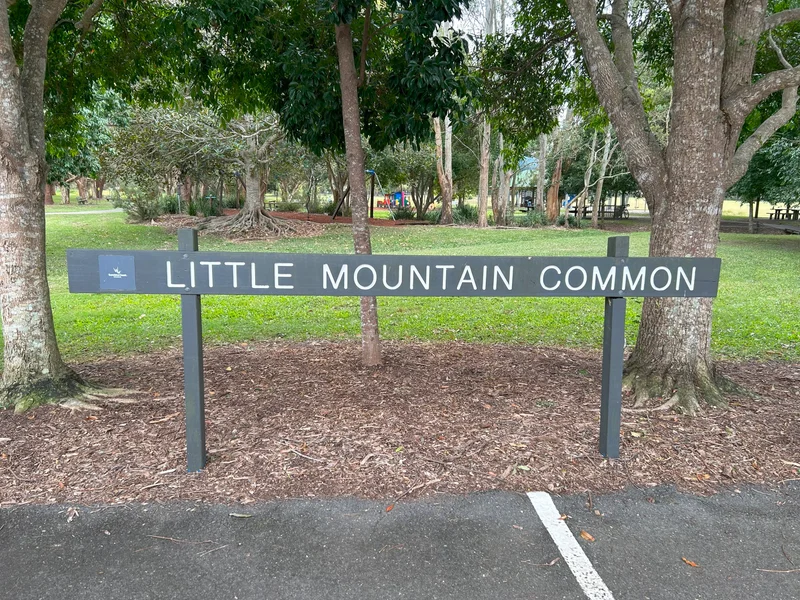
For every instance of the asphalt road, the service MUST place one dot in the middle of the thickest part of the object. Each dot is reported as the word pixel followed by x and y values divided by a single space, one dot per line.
pixel 485 546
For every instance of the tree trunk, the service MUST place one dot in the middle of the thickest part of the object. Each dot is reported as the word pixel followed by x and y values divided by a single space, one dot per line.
pixel 598 192
pixel 82 189
pixel 483 181
pixel 49 192
pixel 99 186
pixel 553 208
pixel 672 357
pixel 750 222
pixel 33 372
pixel 65 193
pixel 542 172
pixel 186 193
pixel 444 168
pixel 351 119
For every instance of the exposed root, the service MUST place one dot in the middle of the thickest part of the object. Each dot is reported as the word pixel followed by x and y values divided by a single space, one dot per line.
pixel 686 393
pixel 67 391
pixel 258 225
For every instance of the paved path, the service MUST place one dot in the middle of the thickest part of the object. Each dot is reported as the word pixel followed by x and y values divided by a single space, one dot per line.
pixel 83 212
pixel 482 546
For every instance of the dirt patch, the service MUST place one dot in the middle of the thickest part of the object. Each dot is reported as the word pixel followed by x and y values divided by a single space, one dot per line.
pixel 326 219
pixel 304 419
pixel 171 224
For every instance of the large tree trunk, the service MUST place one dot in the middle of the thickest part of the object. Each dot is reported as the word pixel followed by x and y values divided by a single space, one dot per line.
pixel 351 118
pixel 83 196
pixel 483 180
pixel 49 192
pixel 65 193
pixel 444 167
pixel 672 357
pixel 99 186
pixel 34 372
pixel 598 192
pixel 553 204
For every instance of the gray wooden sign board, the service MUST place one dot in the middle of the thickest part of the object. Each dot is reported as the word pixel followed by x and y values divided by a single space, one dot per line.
pixel 193 274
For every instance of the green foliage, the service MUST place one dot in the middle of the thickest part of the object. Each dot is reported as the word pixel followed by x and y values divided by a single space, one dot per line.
pixel 433 216
pixel 288 207
pixel 329 207
pixel 533 218
pixel 169 204
pixel 465 214
pixel 209 206
pixel 404 213
pixel 140 204
pixel 282 56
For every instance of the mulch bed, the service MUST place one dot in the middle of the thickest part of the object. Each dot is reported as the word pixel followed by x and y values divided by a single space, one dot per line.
pixel 306 420
pixel 326 219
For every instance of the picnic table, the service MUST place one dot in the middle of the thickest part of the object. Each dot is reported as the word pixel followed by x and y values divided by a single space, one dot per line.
pixel 789 214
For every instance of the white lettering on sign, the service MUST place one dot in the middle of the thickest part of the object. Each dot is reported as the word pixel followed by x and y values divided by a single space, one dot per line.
pixel 541 278
pixel 358 283
pixel 653 278
pixel 253 284
pixel 399 278
pixel 629 283
pixel 582 280
pixel 170 284
pixel 425 283
pixel 235 266
pixel 279 276
pixel 467 277
pixel 444 269
pixel 610 281
pixel 682 275
pixel 210 264
pixel 498 273
pixel 327 275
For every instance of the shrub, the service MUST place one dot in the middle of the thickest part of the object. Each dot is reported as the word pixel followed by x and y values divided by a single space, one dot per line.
pixel 229 201
pixel 572 221
pixel 140 204
pixel 533 218
pixel 465 214
pixel 404 213
pixel 330 206
pixel 169 204
pixel 433 216
pixel 209 206
pixel 288 207
pixel 192 209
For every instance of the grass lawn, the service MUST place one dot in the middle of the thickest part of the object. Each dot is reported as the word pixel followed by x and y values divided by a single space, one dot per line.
pixel 757 314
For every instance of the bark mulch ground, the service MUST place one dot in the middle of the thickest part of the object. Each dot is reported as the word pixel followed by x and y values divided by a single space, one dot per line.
pixel 304 420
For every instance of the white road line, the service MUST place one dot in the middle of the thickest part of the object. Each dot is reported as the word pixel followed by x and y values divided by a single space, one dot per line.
pixel 573 554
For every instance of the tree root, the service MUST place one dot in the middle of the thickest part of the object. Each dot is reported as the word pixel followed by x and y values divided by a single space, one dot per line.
pixel 259 224
pixel 67 391
pixel 686 393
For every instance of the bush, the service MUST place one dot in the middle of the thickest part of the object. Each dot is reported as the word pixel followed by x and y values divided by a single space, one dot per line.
pixel 533 218
pixel 139 204
pixel 433 216
pixel 404 213
pixel 288 207
pixel 572 221
pixel 169 204
pixel 209 206
pixel 465 214
pixel 230 201
pixel 192 209
pixel 329 207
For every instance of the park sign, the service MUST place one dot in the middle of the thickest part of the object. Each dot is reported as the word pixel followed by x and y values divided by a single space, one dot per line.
pixel 252 273
pixel 193 274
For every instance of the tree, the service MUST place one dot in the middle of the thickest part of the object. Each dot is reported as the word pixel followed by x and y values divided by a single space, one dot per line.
pixel 712 47
pixel 334 72
pixel 67 46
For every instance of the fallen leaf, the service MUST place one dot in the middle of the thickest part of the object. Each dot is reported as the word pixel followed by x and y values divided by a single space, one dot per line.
pixel 239 515
pixel 690 562
pixel 516 527
pixel 564 517
pixel 389 508
pixel 523 467
pixel 587 536
pixel 637 434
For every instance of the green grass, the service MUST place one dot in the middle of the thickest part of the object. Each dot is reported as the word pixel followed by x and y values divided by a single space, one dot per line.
pixel 757 314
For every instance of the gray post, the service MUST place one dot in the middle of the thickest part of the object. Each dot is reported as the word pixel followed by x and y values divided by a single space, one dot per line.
pixel 613 350
pixel 192 333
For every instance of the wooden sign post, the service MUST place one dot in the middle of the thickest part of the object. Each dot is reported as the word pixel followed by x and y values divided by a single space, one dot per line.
pixel 193 274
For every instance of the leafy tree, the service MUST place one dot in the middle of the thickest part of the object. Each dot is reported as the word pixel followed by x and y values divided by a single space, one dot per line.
pixel 52 55
pixel 708 52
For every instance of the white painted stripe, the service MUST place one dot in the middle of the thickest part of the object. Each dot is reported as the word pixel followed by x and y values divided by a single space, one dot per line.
pixel 573 554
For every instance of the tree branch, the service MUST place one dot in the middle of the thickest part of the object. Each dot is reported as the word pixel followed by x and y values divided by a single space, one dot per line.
pixel 742 104
pixel 86 20
pixel 781 18
pixel 620 99
pixel 40 22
